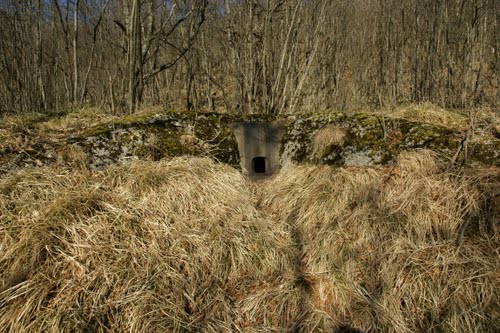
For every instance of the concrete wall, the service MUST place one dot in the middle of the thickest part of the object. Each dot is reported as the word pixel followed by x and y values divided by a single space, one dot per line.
pixel 366 140
pixel 258 139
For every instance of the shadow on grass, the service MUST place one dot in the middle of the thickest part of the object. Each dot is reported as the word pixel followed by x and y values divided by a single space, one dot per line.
pixel 346 329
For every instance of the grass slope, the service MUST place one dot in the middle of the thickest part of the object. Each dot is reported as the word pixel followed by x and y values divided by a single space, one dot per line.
pixel 388 250
pixel 153 247
pixel 188 245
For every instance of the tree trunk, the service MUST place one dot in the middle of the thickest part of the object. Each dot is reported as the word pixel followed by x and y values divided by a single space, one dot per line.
pixel 75 51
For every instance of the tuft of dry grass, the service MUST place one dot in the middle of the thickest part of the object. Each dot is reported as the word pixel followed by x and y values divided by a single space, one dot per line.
pixel 23 135
pixel 76 121
pixel 16 131
pixel 21 132
pixel 487 123
pixel 428 113
pixel 325 138
pixel 484 121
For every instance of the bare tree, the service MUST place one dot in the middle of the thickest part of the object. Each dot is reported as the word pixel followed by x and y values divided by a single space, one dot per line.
pixel 252 56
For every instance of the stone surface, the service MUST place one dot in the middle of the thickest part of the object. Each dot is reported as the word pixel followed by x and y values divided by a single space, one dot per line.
pixel 366 140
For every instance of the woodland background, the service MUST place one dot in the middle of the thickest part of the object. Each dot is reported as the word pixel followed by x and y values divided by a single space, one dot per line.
pixel 247 56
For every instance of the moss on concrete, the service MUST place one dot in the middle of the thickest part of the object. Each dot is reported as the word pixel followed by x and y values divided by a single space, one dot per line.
pixel 165 134
pixel 373 139
pixel 369 140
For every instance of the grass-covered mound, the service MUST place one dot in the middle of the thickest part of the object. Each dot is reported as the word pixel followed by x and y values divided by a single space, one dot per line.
pixel 188 245
pixel 405 249
pixel 153 247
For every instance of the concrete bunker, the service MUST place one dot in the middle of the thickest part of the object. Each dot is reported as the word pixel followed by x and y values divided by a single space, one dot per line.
pixel 259 145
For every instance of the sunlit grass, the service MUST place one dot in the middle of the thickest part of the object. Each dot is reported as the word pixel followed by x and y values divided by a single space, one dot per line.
pixel 189 245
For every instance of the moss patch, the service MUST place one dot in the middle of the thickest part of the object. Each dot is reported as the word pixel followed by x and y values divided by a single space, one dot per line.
pixel 373 139
pixel 154 136
pixel 369 139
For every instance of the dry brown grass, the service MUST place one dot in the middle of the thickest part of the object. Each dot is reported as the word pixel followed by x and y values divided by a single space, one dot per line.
pixel 188 245
pixel 21 132
pixel 487 122
pixel 76 121
pixel 484 121
pixel 325 138
pixel 382 249
pixel 152 247
pixel 16 131
pixel 428 113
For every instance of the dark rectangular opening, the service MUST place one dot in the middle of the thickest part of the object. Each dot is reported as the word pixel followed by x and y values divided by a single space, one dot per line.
pixel 259 164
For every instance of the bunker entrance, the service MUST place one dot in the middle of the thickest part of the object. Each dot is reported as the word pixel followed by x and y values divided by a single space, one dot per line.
pixel 259 146
pixel 259 164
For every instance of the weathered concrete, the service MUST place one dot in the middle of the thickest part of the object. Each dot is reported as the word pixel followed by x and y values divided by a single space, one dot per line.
pixel 333 138
pixel 259 145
